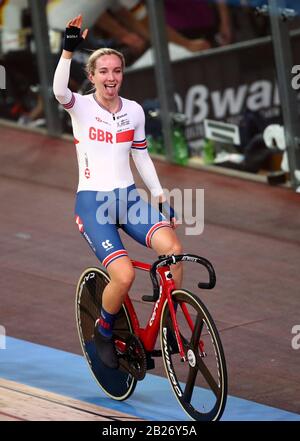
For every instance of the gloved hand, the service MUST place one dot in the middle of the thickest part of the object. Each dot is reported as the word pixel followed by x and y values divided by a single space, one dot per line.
pixel 167 210
pixel 72 38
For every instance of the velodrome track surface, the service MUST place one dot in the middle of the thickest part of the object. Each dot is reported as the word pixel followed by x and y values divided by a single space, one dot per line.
pixel 251 234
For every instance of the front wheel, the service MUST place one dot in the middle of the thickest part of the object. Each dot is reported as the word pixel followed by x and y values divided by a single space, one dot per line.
pixel 200 383
pixel 116 383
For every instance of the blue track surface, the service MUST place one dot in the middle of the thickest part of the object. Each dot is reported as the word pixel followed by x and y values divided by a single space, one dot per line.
pixel 68 374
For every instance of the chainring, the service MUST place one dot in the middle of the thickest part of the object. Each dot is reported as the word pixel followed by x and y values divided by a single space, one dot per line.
pixel 133 360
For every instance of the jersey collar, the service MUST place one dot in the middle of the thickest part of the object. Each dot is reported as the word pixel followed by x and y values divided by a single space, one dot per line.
pixel 105 108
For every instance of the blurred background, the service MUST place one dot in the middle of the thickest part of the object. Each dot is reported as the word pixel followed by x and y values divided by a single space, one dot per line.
pixel 191 64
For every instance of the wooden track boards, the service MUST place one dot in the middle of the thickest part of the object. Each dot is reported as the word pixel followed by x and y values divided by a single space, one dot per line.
pixel 24 403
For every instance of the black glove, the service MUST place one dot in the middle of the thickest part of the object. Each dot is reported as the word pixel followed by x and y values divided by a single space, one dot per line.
pixel 72 38
pixel 166 210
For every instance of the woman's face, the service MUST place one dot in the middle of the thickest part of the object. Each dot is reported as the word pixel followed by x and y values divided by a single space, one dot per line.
pixel 108 76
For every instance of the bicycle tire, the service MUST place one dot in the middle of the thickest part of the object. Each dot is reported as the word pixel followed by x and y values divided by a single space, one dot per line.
pixel 117 384
pixel 202 389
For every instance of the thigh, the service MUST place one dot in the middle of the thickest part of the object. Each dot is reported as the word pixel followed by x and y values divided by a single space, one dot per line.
pixel 165 241
pixel 121 270
pixel 103 238
pixel 143 220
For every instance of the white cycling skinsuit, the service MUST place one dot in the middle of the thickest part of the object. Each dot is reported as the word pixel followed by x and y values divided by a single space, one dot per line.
pixel 104 142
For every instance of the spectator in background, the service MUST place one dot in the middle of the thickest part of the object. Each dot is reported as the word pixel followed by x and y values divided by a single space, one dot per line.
pixel 128 26
pixel 109 19
pixel 122 22
pixel 246 22
pixel 139 10
pixel 205 19
pixel 21 100
pixel 18 47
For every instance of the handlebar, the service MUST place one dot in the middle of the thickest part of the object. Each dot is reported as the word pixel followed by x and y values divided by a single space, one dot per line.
pixel 172 260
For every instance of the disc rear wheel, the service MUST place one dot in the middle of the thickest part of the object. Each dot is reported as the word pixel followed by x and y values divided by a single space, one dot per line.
pixel 116 383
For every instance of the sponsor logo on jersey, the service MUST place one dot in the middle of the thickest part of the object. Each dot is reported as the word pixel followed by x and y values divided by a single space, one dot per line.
pixel 87 173
pixel 86 159
pixel 122 116
pixel 107 245
pixel 80 224
pixel 89 241
pixel 97 118
pixel 123 122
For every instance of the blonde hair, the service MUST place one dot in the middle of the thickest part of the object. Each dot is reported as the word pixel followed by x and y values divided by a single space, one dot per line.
pixel 91 64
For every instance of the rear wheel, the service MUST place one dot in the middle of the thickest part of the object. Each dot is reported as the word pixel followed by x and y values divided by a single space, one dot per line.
pixel 200 383
pixel 117 384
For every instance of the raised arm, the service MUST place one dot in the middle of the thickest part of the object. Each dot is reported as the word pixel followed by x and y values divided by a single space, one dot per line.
pixel 62 73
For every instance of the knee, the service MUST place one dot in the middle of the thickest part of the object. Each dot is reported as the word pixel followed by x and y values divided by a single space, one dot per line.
pixel 124 279
pixel 174 248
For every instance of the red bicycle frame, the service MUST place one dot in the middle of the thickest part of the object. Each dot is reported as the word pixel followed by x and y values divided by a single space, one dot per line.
pixel 148 335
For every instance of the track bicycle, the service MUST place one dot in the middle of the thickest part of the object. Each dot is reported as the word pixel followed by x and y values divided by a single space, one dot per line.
pixel 189 340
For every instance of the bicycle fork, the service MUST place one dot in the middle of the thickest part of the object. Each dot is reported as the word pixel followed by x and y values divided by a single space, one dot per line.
pixel 168 283
pixel 170 286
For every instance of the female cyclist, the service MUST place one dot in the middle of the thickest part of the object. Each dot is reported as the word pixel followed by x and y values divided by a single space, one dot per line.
pixel 107 128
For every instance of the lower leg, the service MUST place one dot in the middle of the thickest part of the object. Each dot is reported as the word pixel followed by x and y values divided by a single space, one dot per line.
pixel 113 296
pixel 177 273
pixel 122 275
pixel 112 299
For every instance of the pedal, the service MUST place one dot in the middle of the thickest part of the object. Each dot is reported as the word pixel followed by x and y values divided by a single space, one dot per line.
pixel 156 353
pixel 150 363
pixel 147 298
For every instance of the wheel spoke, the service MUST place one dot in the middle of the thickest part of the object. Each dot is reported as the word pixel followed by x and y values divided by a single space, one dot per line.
pixel 201 365
pixel 190 384
pixel 197 332
pixel 208 376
